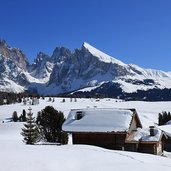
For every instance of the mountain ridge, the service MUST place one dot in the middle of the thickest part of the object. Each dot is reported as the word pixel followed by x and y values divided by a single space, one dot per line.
pixel 65 71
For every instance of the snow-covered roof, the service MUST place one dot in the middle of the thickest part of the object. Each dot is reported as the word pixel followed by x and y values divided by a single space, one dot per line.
pixel 166 129
pixel 98 120
pixel 143 135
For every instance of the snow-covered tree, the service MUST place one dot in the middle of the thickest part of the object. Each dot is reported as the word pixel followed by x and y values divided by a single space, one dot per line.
pixel 30 131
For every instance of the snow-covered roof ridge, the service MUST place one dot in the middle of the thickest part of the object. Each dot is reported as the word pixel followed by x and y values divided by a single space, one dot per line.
pixel 101 55
pixel 143 135
pixel 99 120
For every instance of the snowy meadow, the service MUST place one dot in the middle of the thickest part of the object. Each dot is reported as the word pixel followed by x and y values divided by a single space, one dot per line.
pixel 16 156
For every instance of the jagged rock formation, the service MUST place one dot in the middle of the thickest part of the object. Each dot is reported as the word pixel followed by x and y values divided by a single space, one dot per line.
pixel 83 70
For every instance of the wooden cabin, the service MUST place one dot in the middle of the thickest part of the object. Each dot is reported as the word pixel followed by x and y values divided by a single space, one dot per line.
pixel 167 143
pixel 167 130
pixel 117 129
pixel 147 140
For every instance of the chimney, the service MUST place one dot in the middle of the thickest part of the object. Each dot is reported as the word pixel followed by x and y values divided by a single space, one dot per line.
pixel 151 130
pixel 79 115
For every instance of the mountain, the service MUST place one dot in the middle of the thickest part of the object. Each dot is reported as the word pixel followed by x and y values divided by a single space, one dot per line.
pixel 86 71
pixel 13 65
pixel 42 67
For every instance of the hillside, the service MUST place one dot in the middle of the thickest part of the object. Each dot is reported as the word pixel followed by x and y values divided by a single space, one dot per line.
pixel 16 156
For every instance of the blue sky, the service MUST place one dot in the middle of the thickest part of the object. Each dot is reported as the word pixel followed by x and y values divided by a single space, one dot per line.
pixel 133 31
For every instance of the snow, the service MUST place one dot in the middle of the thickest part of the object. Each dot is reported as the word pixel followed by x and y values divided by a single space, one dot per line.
pixel 10 85
pixel 32 79
pixel 161 79
pixel 99 120
pixel 166 129
pixel 16 156
pixel 86 89
pixel 144 135
pixel 102 56
pixel 76 158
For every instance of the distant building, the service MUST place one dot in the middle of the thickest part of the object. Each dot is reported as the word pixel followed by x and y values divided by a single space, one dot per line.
pixel 118 129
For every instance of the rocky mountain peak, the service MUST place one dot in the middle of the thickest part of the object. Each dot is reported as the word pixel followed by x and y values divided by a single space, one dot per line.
pixel 41 56
pixel 86 67
pixel 86 47
pixel 3 43
pixel 59 53
pixel 13 54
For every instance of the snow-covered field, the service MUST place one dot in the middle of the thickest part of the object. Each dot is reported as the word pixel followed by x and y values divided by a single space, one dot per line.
pixel 16 156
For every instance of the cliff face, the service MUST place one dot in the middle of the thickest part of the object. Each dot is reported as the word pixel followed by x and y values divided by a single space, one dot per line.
pixel 13 54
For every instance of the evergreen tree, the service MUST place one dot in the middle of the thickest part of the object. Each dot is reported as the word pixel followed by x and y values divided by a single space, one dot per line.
pixel 15 116
pixel 164 117
pixel 63 137
pixel 50 122
pixel 160 119
pixel 30 131
pixel 24 116
pixel 169 116
pixel 38 118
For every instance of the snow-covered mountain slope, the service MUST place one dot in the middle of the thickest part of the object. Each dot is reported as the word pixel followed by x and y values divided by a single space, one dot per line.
pixel 102 56
pixel 14 74
pixel 67 71
pixel 89 67
pixel 144 79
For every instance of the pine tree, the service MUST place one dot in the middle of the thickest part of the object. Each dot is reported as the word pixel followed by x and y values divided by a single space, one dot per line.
pixel 24 116
pixel 165 117
pixel 160 119
pixel 169 116
pixel 30 131
pixel 15 116
pixel 63 137
pixel 50 122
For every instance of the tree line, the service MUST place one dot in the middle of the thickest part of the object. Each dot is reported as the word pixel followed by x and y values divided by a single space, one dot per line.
pixel 164 117
pixel 9 98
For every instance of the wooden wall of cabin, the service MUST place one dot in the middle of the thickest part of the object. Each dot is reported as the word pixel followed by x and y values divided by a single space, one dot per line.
pixel 133 125
pixel 147 148
pixel 131 146
pixel 167 144
pixel 109 141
